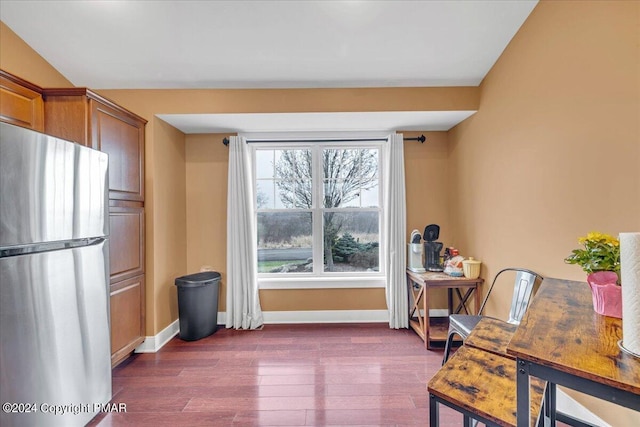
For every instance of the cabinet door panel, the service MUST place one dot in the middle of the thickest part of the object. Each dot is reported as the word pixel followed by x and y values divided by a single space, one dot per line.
pixel 123 139
pixel 66 118
pixel 126 242
pixel 20 105
pixel 127 317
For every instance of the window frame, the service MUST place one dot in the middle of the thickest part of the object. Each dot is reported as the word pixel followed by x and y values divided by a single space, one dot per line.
pixel 319 279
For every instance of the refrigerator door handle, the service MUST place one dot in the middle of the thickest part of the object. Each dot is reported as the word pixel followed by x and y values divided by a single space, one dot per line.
pixel 49 246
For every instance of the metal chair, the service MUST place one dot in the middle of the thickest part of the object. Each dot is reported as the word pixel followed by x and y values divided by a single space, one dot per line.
pixel 462 324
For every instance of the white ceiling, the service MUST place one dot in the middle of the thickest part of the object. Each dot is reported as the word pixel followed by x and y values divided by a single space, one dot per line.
pixel 268 44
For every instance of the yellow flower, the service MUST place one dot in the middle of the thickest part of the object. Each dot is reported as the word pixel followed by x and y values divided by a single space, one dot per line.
pixel 596 237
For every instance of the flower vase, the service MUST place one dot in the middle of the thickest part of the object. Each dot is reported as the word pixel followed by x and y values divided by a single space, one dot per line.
pixel 606 294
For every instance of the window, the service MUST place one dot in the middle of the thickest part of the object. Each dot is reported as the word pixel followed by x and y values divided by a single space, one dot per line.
pixel 318 210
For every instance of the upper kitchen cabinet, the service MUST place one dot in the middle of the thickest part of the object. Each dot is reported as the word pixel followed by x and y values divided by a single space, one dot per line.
pixel 21 102
pixel 81 115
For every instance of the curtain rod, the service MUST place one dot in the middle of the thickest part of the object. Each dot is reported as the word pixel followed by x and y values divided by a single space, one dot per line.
pixel 420 138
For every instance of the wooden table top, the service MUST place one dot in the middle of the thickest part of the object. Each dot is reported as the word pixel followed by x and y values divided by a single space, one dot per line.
pixel 485 384
pixel 492 335
pixel 562 331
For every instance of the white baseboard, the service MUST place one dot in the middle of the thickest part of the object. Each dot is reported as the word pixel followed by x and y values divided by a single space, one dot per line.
pixel 438 312
pixel 333 316
pixel 326 316
pixel 152 344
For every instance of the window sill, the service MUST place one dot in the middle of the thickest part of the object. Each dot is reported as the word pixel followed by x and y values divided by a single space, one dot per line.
pixel 343 282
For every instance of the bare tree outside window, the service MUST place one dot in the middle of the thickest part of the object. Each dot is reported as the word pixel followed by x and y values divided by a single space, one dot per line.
pixel 284 232
pixel 293 173
pixel 350 179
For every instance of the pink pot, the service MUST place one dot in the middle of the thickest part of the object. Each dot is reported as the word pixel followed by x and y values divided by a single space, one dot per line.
pixel 607 295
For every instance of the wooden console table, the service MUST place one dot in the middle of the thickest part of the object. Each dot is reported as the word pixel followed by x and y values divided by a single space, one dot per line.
pixel 563 341
pixel 435 329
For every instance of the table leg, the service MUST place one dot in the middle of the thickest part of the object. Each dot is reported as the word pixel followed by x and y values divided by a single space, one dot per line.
pixel 522 394
pixel 434 416
pixel 551 403
pixel 425 308
pixel 478 297
pixel 420 325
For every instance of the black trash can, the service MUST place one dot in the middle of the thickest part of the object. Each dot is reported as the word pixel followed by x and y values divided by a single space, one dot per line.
pixel 198 304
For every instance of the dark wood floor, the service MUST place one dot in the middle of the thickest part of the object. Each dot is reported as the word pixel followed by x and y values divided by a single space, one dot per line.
pixel 329 374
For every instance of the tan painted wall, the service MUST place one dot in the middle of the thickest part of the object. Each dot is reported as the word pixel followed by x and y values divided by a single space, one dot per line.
pixel 207 163
pixel 554 150
pixel 166 220
pixel 21 60
pixel 428 194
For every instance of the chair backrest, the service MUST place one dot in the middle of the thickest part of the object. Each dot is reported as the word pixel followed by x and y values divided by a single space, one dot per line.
pixel 522 292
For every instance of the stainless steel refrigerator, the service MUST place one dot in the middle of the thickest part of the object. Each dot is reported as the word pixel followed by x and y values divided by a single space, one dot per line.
pixel 55 363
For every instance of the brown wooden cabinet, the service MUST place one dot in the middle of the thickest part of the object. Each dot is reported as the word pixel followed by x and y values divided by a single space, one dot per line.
pixel 126 261
pixel 127 317
pixel 122 138
pixel 21 102
pixel 81 115
pixel 126 249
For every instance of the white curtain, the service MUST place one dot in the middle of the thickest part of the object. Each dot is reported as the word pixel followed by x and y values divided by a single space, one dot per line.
pixel 243 303
pixel 394 233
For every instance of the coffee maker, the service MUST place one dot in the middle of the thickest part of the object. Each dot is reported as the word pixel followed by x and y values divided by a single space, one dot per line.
pixel 432 248
pixel 414 253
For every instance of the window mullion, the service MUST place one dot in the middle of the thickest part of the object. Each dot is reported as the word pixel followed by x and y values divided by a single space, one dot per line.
pixel 317 182
pixel 381 203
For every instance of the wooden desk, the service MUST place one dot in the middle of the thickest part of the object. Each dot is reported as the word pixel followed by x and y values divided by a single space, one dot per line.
pixel 562 340
pixel 435 329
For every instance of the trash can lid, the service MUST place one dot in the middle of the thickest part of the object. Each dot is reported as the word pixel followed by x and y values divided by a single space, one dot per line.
pixel 198 279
